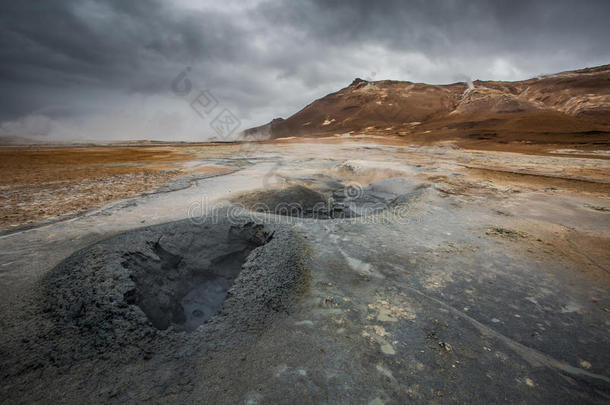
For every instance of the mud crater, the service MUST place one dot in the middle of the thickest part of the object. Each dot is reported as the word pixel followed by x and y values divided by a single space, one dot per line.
pixel 330 199
pixel 223 280
pixel 186 289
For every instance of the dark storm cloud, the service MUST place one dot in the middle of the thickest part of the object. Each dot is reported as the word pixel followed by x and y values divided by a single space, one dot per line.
pixel 442 25
pixel 267 58
pixel 446 28
pixel 106 42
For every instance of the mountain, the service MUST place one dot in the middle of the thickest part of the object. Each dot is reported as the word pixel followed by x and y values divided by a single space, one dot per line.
pixel 556 108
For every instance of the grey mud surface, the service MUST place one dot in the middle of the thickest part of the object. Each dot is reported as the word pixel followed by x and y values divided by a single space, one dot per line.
pixel 430 296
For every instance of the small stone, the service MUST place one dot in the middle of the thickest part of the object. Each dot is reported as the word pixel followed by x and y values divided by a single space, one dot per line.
pixel 387 349
pixel 329 302
pixel 445 346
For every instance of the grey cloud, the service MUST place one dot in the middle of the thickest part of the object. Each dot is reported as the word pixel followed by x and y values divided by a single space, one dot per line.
pixel 441 25
pixel 66 59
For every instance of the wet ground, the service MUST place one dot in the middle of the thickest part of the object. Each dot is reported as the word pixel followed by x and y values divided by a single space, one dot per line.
pixel 456 276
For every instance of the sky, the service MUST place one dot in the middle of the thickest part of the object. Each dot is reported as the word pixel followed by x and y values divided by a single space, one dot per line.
pixel 110 70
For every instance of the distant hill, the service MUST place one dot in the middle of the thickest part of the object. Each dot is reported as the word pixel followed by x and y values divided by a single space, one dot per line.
pixel 554 108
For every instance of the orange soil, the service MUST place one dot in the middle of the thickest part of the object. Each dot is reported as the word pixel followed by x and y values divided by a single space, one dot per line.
pixel 38 183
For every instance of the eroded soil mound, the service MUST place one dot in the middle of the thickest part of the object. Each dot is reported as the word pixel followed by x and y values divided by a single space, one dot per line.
pixel 136 294
pixel 344 201
pixel 294 201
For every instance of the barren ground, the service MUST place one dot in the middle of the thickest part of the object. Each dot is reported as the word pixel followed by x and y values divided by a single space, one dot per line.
pixel 42 183
pixel 483 277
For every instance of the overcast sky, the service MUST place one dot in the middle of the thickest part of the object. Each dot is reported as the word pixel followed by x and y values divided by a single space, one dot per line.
pixel 103 70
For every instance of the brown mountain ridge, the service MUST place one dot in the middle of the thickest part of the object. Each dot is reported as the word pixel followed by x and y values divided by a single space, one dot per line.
pixel 568 108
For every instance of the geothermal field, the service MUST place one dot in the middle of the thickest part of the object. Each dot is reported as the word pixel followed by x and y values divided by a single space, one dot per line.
pixel 266 202
pixel 337 269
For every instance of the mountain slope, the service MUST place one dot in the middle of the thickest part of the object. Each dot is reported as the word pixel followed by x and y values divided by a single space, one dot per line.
pixel 557 108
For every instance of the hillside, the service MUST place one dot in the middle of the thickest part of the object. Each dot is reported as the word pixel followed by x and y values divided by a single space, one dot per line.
pixel 565 108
